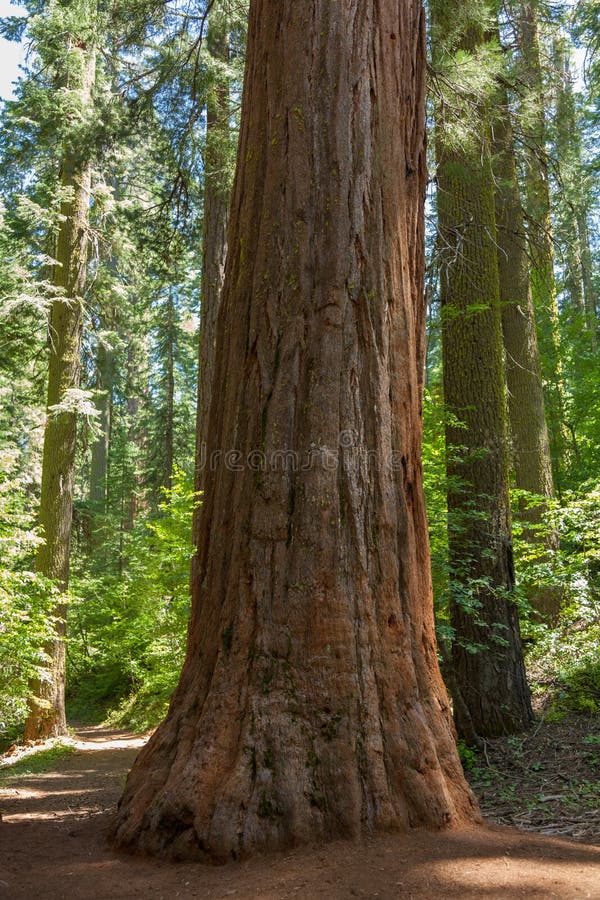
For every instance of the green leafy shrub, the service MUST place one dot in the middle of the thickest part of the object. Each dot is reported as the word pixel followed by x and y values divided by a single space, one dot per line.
pixel 26 599
pixel 564 665
pixel 127 628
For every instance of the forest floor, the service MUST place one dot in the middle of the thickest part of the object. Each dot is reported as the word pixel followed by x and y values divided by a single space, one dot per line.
pixel 53 839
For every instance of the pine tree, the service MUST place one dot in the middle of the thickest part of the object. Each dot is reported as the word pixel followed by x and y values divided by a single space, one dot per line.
pixel 539 222
pixel 486 652
pixel 530 444
pixel 47 712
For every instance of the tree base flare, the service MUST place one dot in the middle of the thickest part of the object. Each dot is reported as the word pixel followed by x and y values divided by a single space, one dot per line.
pixel 277 781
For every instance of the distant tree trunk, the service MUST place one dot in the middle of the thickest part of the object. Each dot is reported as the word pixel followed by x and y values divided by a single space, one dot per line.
pixel 311 705
pixel 574 200
pixel 491 680
pixel 47 708
pixel 169 392
pixel 587 269
pixel 214 240
pixel 541 248
pixel 100 447
pixel 136 381
pixel 527 415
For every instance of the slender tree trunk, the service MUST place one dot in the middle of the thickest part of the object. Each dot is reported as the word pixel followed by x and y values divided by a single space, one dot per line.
pixel 47 707
pixel 214 239
pixel 170 392
pixel 491 680
pixel 311 705
pixel 100 447
pixel 587 269
pixel 541 247
pixel 527 415
pixel 574 200
pixel 136 391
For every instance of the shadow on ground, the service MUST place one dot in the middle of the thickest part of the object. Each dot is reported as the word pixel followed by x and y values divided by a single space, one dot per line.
pixel 53 845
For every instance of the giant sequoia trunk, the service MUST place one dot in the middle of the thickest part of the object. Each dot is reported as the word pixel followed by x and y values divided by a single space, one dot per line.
pixel 531 459
pixel 47 707
pixel 214 239
pixel 491 680
pixel 310 704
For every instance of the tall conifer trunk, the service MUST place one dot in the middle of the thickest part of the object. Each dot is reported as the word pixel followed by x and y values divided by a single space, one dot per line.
pixel 47 708
pixel 575 199
pixel 310 705
pixel 169 411
pixel 491 680
pixel 530 442
pixel 541 247
pixel 590 298
pixel 101 446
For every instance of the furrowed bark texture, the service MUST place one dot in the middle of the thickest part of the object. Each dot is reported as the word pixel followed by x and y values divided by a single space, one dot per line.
pixel 47 707
pixel 492 681
pixel 530 443
pixel 310 705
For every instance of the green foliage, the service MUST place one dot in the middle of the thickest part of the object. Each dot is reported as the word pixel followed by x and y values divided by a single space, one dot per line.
pixel 565 665
pixel 573 567
pixel 468 756
pixel 127 628
pixel 26 599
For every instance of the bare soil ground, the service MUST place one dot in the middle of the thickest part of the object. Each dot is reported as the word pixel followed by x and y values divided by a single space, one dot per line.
pixel 53 845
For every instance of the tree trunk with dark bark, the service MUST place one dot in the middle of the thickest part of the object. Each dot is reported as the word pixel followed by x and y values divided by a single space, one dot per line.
pixel 590 299
pixel 47 707
pixel 575 197
pixel 487 655
pixel 101 446
pixel 169 411
pixel 311 705
pixel 541 246
pixel 530 443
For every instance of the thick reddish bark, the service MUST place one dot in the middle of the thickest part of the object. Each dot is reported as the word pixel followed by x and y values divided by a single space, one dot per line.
pixel 310 704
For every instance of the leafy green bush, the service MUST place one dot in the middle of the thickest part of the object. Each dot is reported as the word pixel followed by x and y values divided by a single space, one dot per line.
pixel 564 664
pixel 26 599
pixel 127 628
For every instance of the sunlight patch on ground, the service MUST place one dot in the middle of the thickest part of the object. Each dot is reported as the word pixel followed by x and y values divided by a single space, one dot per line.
pixel 91 739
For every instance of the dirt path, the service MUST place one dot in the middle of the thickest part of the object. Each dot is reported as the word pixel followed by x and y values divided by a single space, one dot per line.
pixel 52 845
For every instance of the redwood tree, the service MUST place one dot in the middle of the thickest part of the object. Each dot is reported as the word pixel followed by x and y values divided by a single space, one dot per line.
pixel 310 704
